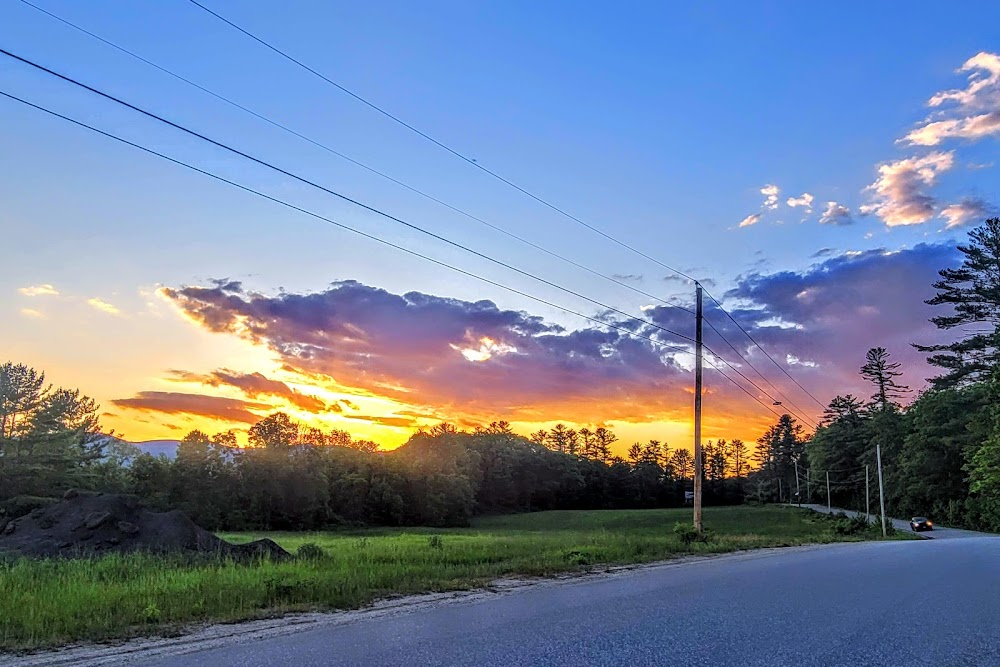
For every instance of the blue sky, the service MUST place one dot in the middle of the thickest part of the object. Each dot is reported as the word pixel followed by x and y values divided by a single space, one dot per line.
pixel 660 125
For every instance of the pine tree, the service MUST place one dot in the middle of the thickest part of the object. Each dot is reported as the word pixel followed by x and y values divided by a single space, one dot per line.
pixel 973 293
pixel 882 373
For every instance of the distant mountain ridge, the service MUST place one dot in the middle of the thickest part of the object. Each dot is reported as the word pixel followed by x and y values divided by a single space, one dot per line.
pixel 167 448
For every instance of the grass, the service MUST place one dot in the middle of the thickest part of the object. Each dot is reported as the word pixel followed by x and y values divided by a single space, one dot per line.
pixel 47 603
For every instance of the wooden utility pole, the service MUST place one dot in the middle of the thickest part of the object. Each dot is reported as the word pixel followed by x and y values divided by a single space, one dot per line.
pixel 868 502
pixel 698 463
pixel 829 507
pixel 798 491
pixel 881 495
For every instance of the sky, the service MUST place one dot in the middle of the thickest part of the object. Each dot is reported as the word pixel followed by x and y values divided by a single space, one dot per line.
pixel 813 170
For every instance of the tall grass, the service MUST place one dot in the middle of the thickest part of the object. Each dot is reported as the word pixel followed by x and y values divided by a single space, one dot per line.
pixel 50 602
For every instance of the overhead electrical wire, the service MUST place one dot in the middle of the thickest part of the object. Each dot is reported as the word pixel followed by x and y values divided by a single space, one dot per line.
pixel 377 239
pixel 494 174
pixel 381 213
pixel 415 190
pixel 353 161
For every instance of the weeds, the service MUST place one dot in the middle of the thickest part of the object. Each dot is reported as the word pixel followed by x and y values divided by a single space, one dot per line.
pixel 51 602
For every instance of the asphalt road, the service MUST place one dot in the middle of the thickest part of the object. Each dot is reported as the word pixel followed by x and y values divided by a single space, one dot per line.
pixel 920 602
pixel 939 532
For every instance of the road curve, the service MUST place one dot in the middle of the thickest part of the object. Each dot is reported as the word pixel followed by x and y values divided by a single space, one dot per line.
pixel 939 532
pixel 920 602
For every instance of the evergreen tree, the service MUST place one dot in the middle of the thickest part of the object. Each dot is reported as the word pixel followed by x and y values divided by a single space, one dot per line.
pixel 972 292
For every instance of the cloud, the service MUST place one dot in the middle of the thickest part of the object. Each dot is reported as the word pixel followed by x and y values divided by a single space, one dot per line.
pixel 831 313
pixel 256 385
pixel 835 214
pixel 822 252
pixel 39 290
pixel 752 219
pixel 391 420
pixel 900 193
pixel 213 407
pixel 971 113
pixel 969 209
pixel 33 314
pixel 104 307
pixel 770 193
pixel 637 277
pixel 470 359
pixel 805 201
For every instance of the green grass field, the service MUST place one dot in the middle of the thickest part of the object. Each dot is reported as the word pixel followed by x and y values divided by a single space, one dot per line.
pixel 53 602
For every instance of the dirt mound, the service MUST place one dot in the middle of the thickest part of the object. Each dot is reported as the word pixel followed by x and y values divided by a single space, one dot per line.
pixel 92 524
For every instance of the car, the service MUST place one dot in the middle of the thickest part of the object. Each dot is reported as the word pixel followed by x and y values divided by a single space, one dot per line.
pixel 919 523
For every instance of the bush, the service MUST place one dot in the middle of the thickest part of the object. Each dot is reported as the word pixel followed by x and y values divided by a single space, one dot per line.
pixel 858 525
pixel 19 506
pixel 311 551
pixel 435 542
pixel 687 533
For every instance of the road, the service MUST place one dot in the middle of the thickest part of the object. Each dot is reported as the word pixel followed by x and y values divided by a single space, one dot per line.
pixel 919 602
pixel 939 532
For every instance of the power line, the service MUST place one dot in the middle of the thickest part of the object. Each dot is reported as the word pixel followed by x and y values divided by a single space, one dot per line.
pixel 372 209
pixel 780 367
pixel 747 361
pixel 377 239
pixel 434 141
pixel 344 197
pixel 353 161
pixel 479 166
pixel 369 208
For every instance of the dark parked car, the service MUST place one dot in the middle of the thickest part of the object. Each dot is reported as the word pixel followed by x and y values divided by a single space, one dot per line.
pixel 919 523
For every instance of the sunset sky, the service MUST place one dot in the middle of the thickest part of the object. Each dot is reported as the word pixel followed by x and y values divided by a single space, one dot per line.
pixel 813 165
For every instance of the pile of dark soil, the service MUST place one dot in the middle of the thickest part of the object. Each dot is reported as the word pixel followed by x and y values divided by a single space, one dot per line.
pixel 91 524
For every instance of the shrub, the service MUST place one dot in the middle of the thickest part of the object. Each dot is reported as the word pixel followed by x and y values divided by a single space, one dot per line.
pixel 687 533
pixel 435 542
pixel 311 551
pixel 151 613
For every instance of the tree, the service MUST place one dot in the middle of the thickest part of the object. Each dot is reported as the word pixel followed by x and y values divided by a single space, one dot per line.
pixel 50 438
pixel 682 463
pixel 277 430
pixel 603 439
pixel 562 439
pixel 972 292
pixel 882 373
pixel 739 455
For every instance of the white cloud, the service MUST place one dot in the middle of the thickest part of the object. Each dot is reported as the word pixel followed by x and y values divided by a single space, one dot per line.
pixel 103 306
pixel 32 313
pixel 969 209
pixel 835 214
pixel 752 219
pixel 974 111
pixel 39 290
pixel 770 193
pixel 900 192
pixel 805 201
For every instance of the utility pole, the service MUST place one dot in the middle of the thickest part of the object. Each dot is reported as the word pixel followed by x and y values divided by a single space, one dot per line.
pixel 698 463
pixel 868 502
pixel 881 495
pixel 798 495
pixel 809 475
pixel 829 507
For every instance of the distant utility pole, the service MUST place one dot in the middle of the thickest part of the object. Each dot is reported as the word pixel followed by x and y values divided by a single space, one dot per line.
pixel 698 463
pixel 829 507
pixel 868 502
pixel 881 495
pixel 798 494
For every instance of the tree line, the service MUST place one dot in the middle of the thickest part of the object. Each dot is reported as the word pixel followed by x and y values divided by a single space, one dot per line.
pixel 940 453
pixel 294 477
